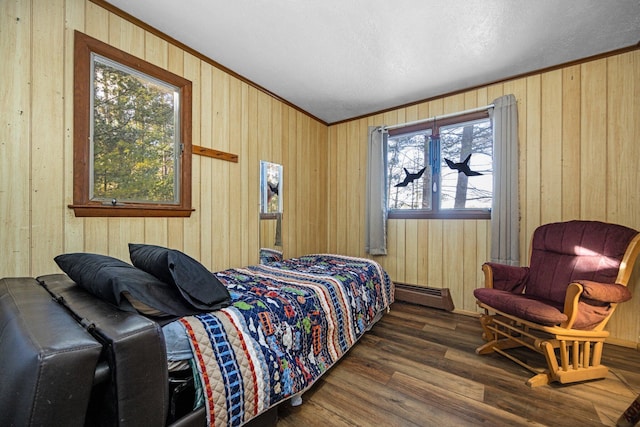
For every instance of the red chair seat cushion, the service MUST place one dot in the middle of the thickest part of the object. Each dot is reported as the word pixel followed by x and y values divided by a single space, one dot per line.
pixel 526 307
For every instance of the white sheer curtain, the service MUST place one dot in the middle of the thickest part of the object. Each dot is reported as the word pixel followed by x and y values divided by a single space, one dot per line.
pixel 376 214
pixel 505 214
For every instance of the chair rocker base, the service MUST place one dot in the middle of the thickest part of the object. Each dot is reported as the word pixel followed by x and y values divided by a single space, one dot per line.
pixel 569 359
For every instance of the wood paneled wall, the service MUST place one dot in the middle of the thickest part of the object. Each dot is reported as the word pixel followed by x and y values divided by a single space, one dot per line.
pixel 579 154
pixel 579 145
pixel 36 114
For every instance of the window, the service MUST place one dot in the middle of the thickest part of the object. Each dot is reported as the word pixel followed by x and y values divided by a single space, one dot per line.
pixel 441 169
pixel 132 135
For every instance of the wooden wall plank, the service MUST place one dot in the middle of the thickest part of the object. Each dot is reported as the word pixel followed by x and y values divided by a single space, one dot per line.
pixel 593 158
pixel 96 236
pixel 423 253
pixel 622 158
pixel 263 133
pixel 483 251
pixel 192 236
pixel 220 216
pixel 304 185
pixel 206 166
pixel 362 182
pixel 401 250
pixel 175 226
pixel 530 207
pixel 342 163
pixel 248 203
pixel 290 176
pixel 435 252
pixel 470 263
pixel 97 21
pixel 551 156
pixel 287 182
pixel 321 182
pixel 571 142
pixel 390 262
pixel 121 233
pixel 332 189
pixel 412 244
pixel 452 260
pixel 127 37
pixel 15 125
pixel 73 233
pixel 253 174
pixel 156 51
pixel 236 187
pixel 47 104
pixel 355 187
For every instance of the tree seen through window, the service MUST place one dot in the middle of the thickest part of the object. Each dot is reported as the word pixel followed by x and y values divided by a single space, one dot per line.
pixel 134 136
pixel 441 169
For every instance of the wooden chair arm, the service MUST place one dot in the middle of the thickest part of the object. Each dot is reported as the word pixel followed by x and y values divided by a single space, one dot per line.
pixel 505 277
pixel 571 299
pixel 488 275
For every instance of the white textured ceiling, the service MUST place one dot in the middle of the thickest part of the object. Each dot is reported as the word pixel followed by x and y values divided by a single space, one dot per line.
pixel 339 59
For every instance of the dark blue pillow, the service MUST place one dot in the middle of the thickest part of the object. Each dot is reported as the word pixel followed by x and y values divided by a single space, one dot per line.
pixel 196 284
pixel 116 282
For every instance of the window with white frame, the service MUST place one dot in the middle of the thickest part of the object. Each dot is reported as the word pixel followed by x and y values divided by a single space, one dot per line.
pixel 441 168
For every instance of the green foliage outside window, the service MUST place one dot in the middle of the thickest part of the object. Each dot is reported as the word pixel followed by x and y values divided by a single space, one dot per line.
pixel 134 136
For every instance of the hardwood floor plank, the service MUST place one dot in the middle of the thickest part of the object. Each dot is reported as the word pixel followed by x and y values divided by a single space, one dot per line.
pixel 468 411
pixel 314 414
pixel 427 374
pixel 371 396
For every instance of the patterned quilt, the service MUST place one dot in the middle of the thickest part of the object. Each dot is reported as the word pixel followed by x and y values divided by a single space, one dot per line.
pixel 288 323
pixel 270 255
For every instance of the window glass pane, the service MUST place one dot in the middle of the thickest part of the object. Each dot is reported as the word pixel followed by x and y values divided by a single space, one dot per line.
pixel 134 143
pixel 466 165
pixel 408 172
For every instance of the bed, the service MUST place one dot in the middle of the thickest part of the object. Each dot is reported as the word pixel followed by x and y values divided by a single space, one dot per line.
pixel 289 321
pixel 285 324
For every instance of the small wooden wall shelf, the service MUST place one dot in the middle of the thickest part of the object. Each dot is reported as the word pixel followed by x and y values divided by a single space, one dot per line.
pixel 216 154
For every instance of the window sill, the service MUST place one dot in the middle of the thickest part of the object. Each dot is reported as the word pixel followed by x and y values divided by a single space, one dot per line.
pixel 448 214
pixel 131 211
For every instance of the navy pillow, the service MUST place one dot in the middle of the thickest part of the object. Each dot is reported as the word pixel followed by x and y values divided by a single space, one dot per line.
pixel 197 285
pixel 110 279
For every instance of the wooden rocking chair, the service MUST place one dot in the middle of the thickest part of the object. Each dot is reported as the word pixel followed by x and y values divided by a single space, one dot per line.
pixel 560 304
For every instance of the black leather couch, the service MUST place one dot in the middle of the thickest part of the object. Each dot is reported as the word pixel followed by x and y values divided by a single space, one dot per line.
pixel 70 359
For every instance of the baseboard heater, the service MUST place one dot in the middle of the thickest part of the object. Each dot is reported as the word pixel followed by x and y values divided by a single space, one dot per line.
pixel 422 295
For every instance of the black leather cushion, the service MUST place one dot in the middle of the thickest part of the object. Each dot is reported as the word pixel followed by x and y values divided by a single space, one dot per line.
pixel 47 359
pixel 109 279
pixel 197 285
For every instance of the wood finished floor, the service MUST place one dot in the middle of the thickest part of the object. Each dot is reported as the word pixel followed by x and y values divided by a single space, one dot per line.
pixel 418 367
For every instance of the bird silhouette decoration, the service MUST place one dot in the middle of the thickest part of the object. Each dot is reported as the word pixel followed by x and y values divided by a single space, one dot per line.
pixel 273 187
pixel 410 177
pixel 462 167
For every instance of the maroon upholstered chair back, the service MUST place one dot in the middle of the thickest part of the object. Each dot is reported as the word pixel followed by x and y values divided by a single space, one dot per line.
pixel 576 250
